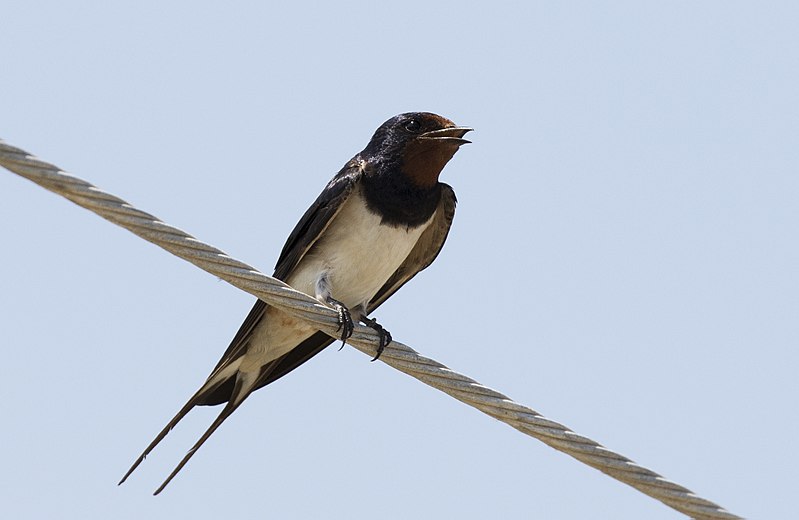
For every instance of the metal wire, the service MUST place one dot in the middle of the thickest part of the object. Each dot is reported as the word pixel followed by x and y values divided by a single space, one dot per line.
pixel 396 355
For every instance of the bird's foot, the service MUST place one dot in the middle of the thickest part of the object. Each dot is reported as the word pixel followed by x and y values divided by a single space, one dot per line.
pixel 385 336
pixel 345 324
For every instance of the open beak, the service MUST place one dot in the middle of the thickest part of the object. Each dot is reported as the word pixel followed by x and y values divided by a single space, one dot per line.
pixel 452 135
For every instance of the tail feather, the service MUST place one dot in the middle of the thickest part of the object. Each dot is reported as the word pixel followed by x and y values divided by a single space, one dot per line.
pixel 175 420
pixel 213 382
pixel 244 383
pixel 243 388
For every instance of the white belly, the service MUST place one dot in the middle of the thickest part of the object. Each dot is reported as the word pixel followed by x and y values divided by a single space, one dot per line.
pixel 357 254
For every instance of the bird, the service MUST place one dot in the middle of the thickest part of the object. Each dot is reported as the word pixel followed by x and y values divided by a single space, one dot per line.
pixel 378 222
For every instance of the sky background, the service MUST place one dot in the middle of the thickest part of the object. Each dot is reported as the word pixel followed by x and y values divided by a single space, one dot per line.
pixel 623 258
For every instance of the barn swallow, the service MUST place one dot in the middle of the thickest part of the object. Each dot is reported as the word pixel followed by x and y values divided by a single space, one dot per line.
pixel 383 218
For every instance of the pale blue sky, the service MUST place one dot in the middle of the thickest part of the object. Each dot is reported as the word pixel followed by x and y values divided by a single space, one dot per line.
pixel 623 259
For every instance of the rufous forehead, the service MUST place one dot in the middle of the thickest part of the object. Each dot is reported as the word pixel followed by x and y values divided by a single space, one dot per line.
pixel 441 121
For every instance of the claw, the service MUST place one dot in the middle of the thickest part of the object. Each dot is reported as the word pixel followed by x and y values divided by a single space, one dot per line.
pixel 385 336
pixel 345 324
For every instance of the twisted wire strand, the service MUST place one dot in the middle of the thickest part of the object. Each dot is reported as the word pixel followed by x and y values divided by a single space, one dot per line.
pixel 396 355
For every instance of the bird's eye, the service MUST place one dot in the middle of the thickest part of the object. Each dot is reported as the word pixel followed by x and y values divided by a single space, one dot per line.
pixel 413 126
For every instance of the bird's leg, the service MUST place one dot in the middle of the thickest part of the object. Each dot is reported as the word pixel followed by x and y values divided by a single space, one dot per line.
pixel 385 336
pixel 323 294
pixel 345 324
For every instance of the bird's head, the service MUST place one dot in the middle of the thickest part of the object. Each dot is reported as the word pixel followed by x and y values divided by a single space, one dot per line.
pixel 418 144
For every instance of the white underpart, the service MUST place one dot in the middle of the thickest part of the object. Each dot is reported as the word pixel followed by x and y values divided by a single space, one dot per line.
pixel 356 256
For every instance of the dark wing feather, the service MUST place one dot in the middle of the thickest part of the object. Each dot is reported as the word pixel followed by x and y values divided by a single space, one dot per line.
pixel 233 389
pixel 305 233
pixel 420 257
pixel 317 218
pixel 242 336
